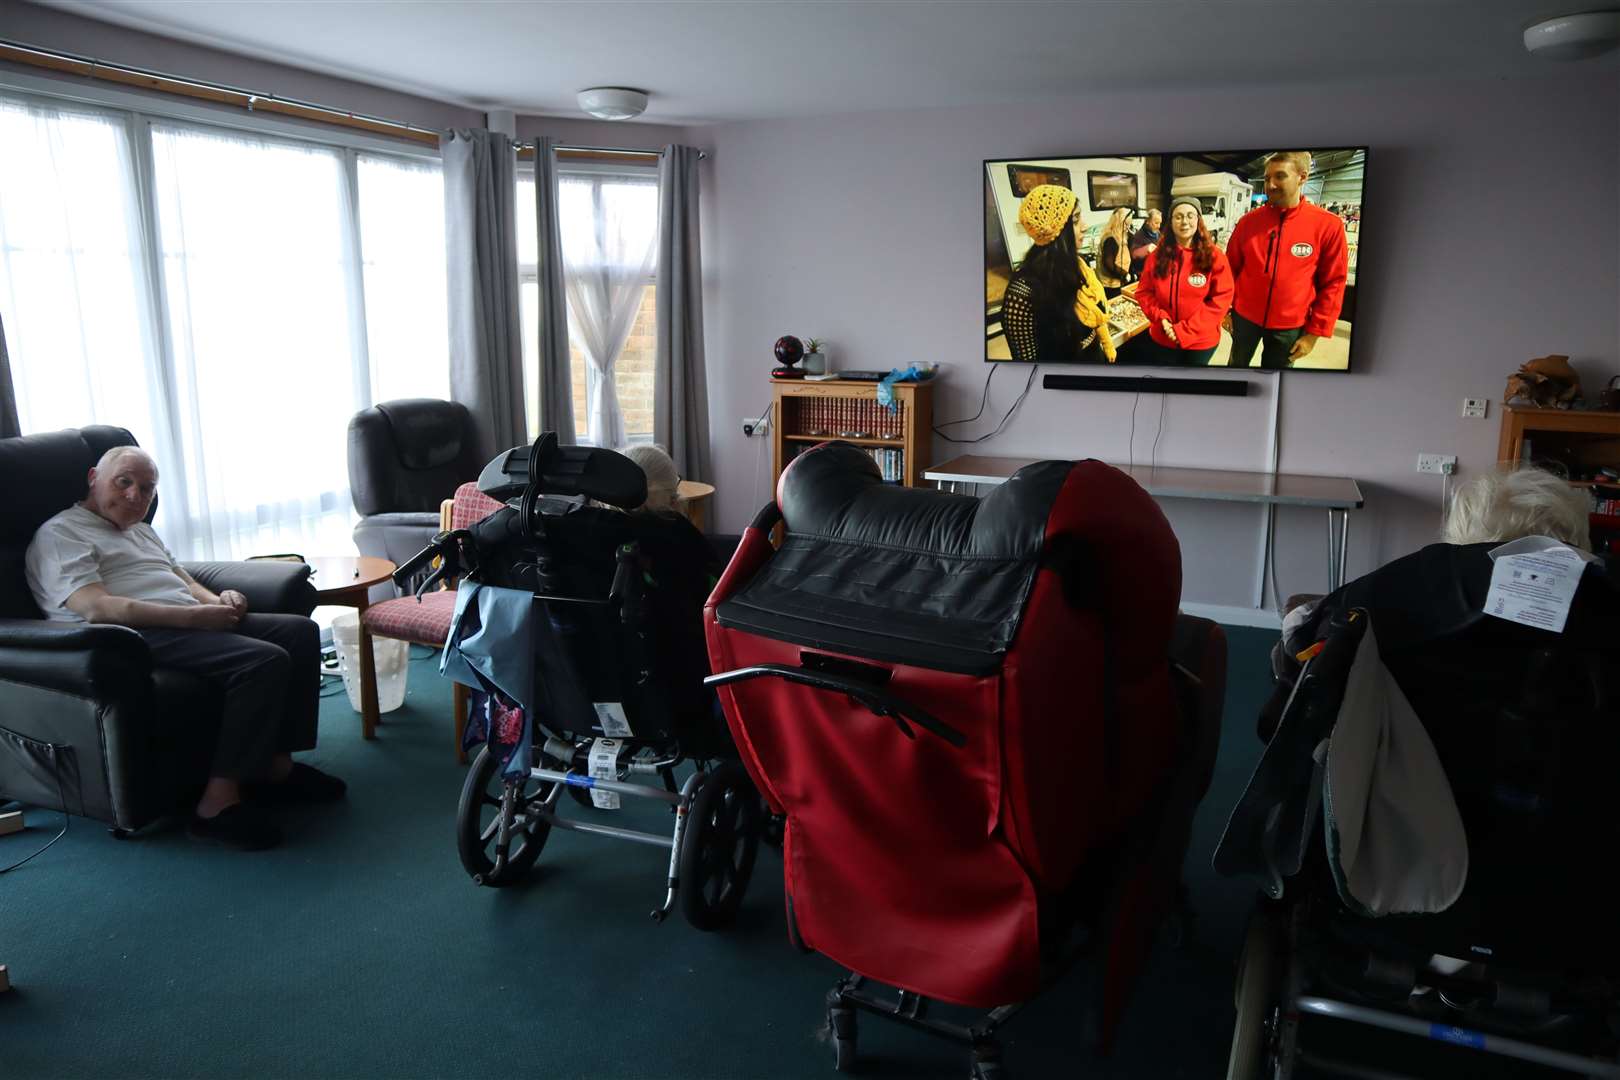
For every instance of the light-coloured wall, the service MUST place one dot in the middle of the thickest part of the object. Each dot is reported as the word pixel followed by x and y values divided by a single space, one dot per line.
pixel 1489 238
pixel 51 29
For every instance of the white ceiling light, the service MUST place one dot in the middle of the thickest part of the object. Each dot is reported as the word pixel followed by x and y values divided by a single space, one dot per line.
pixel 1574 37
pixel 613 102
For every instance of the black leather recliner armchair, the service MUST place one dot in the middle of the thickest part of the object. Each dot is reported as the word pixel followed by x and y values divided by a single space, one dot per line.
pixel 86 722
pixel 405 458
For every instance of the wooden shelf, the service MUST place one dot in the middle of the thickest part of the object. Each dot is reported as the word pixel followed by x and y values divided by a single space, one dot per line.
pixel 892 444
pixel 797 403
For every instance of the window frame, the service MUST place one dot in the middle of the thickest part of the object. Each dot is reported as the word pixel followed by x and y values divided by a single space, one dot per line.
pixel 529 272
pixel 138 113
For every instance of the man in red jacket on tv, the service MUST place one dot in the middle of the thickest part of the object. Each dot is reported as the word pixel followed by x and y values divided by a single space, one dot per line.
pixel 1290 263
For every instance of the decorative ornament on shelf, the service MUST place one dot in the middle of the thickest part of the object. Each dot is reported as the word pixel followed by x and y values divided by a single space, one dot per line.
pixel 815 361
pixel 1547 382
pixel 789 351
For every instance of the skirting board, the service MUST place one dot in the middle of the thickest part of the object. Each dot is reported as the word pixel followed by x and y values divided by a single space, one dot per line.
pixel 1233 615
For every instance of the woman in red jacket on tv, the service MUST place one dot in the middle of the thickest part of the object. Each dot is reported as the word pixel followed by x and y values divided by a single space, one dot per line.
pixel 1185 291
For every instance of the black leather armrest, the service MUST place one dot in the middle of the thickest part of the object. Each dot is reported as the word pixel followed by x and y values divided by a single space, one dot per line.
pixel 103 661
pixel 65 636
pixel 270 587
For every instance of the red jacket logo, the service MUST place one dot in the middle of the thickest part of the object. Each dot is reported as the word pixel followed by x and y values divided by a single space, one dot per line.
pixel 1301 250
pixel 1198 281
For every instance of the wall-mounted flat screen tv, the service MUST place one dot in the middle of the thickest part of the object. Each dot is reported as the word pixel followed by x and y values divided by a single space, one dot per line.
pixel 1220 258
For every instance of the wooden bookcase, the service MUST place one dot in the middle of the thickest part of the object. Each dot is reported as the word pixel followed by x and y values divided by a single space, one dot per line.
pixel 1580 440
pixel 806 413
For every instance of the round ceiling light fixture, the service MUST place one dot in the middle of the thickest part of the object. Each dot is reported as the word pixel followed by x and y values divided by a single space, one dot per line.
pixel 613 102
pixel 1574 37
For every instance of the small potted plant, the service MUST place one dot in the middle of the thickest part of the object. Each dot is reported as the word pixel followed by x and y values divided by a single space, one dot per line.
pixel 815 361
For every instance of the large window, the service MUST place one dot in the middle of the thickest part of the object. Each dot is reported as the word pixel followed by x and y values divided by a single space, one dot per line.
pixel 72 289
pixel 232 298
pixel 609 221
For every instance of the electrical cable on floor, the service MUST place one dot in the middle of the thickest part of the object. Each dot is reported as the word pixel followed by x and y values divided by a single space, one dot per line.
pixel 61 794
pixel 1022 394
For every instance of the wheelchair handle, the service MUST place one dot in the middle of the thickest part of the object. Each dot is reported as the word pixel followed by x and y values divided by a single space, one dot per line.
pixel 879 702
pixel 419 560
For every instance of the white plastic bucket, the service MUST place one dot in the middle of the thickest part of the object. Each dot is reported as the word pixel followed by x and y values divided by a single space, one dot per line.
pixel 389 657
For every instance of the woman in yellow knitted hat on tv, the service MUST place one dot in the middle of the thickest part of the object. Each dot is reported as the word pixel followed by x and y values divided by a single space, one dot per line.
pixel 1054 309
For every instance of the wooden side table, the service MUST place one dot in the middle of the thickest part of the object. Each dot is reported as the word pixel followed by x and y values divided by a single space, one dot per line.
pixel 692 499
pixel 346 581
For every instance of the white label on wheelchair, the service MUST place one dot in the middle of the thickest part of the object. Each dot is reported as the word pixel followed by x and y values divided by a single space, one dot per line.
pixel 605 766
pixel 1533 581
pixel 614 722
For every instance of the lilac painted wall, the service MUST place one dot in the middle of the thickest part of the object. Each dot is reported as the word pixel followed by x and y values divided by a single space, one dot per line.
pixel 51 29
pixel 1490 237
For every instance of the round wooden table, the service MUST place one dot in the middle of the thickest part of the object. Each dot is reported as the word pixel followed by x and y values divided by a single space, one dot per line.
pixel 692 499
pixel 346 581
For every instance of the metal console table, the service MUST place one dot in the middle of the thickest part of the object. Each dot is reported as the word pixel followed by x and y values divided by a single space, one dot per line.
pixel 1338 495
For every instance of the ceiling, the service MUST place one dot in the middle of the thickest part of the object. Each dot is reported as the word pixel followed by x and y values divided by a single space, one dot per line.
pixel 706 61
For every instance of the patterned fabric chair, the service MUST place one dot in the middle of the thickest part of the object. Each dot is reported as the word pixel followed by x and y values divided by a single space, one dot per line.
pixel 428 622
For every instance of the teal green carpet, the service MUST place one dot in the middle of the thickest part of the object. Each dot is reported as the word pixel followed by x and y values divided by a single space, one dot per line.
pixel 361 949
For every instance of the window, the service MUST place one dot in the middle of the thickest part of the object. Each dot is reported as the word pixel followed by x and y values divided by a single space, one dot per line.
pixel 609 221
pixel 72 284
pixel 402 251
pixel 232 298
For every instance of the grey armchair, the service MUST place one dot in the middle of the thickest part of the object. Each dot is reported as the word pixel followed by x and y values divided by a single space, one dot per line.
pixel 405 458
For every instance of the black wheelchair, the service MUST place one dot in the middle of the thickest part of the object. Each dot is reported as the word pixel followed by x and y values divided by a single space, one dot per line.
pixel 1515 970
pixel 618 662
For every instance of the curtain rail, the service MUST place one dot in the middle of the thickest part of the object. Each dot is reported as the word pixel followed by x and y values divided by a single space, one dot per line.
pixel 67 63
pixel 30 56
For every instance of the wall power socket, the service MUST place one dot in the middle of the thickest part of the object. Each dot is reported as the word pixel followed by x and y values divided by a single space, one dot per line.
pixel 754 425
pixel 1440 464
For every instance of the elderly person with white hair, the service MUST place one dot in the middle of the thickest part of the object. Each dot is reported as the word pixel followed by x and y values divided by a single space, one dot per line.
pixel 1512 503
pixel 98 561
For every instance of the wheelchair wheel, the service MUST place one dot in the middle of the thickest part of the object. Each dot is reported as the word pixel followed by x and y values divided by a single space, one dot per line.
pixel 478 820
pixel 1259 983
pixel 842 1029
pixel 719 847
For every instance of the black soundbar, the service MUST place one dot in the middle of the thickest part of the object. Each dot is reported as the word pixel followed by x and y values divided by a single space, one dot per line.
pixel 1147 384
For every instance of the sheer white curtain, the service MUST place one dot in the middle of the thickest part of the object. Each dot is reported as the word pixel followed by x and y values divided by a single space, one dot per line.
pixel 609 242
pixel 257 287
pixel 232 299
pixel 402 249
pixel 74 291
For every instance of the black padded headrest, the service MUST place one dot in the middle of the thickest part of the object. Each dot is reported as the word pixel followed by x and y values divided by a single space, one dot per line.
pixel 902 574
pixel 837 492
pixel 427 434
pixel 42 474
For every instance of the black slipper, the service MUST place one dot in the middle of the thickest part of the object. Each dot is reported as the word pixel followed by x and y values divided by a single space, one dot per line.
pixel 304 784
pixel 239 826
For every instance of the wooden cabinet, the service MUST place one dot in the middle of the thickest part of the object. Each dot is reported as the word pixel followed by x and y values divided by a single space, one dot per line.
pixel 806 413
pixel 1580 440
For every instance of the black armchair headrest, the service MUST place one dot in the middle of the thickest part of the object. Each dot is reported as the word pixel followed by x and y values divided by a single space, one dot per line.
pixel 39 476
pixel 42 474
pixel 405 456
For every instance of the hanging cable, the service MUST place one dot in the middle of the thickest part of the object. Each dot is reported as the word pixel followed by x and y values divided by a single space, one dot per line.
pixel 1022 394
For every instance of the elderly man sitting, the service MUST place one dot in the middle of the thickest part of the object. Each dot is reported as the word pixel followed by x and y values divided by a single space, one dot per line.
pixel 98 561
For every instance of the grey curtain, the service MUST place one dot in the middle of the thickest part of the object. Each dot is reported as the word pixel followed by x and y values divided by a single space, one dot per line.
pixel 480 234
pixel 556 375
pixel 9 424
pixel 680 387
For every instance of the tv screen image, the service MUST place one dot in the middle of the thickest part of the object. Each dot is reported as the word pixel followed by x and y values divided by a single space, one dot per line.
pixel 1221 259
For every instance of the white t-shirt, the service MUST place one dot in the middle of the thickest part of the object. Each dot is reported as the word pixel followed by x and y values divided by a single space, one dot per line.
pixel 79 547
